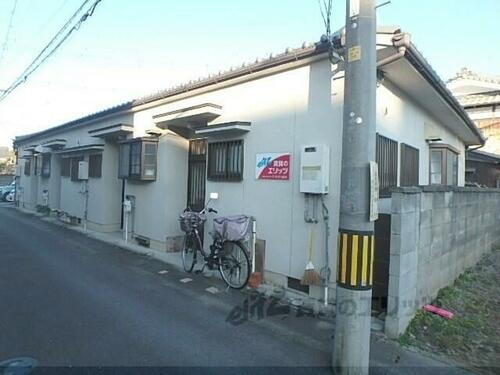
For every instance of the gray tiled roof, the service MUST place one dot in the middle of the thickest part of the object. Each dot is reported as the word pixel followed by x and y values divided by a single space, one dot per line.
pixel 259 64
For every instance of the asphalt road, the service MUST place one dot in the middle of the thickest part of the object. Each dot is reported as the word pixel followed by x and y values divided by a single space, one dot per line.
pixel 68 300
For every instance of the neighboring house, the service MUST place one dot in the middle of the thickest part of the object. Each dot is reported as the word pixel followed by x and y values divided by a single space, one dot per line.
pixel 173 148
pixel 7 161
pixel 480 97
pixel 482 169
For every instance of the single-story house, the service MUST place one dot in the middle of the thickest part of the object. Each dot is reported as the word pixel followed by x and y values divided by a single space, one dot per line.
pixel 482 169
pixel 172 149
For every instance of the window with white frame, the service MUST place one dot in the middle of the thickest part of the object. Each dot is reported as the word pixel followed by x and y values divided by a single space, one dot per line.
pixel 443 165
pixel 138 159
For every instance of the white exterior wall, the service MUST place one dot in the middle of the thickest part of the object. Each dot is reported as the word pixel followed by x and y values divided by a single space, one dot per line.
pixel 159 203
pixel 287 110
pixel 399 118
pixel 104 205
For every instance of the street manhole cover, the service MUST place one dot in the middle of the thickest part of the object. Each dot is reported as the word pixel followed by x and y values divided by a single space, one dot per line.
pixel 17 366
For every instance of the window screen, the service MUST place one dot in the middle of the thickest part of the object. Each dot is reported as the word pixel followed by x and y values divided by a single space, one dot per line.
pixel 443 166
pixel 150 150
pixel 409 165
pixel 451 168
pixel 225 161
pixel 436 167
pixel 387 160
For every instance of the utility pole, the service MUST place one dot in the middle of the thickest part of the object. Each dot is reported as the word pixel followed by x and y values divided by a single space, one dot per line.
pixel 356 246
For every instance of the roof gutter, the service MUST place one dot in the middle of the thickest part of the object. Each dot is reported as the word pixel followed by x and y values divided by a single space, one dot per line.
pixel 401 42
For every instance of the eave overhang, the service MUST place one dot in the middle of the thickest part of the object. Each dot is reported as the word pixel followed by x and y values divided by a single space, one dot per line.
pixel 55 144
pixel 414 76
pixel 189 117
pixel 234 128
pixel 113 131
pixel 82 148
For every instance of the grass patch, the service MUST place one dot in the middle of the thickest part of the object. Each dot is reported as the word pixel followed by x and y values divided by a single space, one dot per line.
pixel 472 337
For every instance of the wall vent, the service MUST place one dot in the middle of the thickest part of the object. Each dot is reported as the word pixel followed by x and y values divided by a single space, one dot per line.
pixel 296 285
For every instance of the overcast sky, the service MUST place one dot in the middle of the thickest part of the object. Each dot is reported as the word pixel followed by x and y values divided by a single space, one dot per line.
pixel 130 48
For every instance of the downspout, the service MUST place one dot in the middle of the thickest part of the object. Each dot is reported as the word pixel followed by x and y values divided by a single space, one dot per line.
pixel 401 42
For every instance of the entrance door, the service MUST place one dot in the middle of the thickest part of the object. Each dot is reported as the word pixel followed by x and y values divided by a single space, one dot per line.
pixel 197 174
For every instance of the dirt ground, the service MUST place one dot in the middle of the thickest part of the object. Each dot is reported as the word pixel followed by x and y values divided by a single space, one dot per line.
pixel 472 337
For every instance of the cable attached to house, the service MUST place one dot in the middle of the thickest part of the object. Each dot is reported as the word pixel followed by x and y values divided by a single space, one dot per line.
pixel 325 271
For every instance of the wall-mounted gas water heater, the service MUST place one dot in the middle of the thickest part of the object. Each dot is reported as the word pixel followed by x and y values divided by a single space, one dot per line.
pixel 314 169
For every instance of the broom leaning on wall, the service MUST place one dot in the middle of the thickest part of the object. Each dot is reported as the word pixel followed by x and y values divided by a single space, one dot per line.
pixel 311 276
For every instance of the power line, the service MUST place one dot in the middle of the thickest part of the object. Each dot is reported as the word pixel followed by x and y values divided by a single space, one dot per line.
pixel 52 46
pixel 9 27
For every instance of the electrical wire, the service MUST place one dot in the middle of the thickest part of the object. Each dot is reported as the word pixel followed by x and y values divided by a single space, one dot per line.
pixel 9 27
pixel 326 12
pixel 325 7
pixel 39 60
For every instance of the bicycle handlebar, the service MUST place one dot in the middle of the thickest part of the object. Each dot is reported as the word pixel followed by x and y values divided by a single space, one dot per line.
pixel 206 208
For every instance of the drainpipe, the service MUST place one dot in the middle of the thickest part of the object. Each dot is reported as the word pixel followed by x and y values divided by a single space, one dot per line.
pixel 401 42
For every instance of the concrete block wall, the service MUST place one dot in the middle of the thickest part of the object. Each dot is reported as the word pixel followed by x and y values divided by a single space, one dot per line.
pixel 436 234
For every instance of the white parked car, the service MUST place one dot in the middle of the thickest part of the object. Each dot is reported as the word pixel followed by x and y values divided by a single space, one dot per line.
pixel 10 197
pixel 5 190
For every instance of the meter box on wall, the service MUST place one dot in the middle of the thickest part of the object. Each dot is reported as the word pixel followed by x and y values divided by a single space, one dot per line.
pixel 83 170
pixel 314 169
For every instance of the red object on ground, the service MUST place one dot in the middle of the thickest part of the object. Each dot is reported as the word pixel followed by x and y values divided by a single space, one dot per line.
pixel 255 280
pixel 439 311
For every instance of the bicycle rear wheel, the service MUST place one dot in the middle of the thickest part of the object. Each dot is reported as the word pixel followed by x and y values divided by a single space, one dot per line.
pixel 188 254
pixel 234 264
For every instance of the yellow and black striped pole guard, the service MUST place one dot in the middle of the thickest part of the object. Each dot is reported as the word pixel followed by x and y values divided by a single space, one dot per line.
pixel 355 259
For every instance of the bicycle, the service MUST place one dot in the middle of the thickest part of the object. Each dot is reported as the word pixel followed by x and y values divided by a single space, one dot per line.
pixel 230 257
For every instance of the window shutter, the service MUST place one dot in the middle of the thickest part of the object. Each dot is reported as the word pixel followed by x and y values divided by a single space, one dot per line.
pixel 387 160
pixel 65 167
pixel 409 165
pixel 95 165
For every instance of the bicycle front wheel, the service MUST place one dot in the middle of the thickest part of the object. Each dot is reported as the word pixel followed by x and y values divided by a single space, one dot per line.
pixel 188 254
pixel 234 264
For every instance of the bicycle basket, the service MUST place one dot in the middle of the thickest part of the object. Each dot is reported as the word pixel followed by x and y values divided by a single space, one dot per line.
pixel 232 228
pixel 189 220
